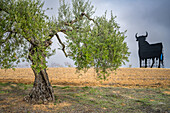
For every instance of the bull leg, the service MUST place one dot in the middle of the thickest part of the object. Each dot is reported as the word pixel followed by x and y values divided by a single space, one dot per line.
pixel 159 65
pixel 145 63
pixel 153 61
pixel 140 62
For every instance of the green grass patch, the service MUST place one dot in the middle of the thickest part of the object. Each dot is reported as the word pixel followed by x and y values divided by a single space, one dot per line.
pixel 85 88
pixel 144 101
pixel 65 87
pixel 54 86
pixel 4 92
pixel 4 84
pixel 21 84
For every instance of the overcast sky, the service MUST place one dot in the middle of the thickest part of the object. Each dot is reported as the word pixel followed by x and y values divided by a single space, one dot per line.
pixel 134 16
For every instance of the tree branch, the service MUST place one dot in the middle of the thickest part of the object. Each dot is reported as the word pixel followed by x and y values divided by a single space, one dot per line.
pixel 47 43
pixel 82 14
pixel 70 23
pixel 65 30
pixel 9 36
pixel 4 10
pixel 55 33
pixel 61 44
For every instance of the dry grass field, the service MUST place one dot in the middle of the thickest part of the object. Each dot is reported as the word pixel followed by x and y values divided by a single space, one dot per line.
pixel 68 76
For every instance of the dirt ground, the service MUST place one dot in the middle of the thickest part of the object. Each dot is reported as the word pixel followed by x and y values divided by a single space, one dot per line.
pixel 68 76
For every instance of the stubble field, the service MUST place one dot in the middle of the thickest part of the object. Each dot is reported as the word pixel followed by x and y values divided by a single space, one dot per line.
pixel 68 76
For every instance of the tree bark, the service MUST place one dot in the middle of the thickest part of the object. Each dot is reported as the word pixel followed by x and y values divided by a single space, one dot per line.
pixel 42 91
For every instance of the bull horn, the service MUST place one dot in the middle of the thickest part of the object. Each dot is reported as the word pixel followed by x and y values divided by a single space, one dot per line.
pixel 146 34
pixel 136 35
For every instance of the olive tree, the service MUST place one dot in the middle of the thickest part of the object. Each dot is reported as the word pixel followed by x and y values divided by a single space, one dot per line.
pixel 26 33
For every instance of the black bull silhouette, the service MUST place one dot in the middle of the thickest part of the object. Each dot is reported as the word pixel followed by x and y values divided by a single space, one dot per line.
pixel 149 51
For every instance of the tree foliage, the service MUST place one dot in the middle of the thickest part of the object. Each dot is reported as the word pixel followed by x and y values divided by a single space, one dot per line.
pixel 26 32
pixel 23 24
pixel 92 42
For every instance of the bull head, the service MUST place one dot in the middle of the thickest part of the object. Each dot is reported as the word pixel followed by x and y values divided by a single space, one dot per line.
pixel 142 36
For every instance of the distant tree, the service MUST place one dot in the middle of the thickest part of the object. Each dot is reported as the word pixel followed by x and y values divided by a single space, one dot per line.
pixel 26 32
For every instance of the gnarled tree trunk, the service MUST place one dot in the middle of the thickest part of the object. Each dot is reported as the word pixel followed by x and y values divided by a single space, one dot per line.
pixel 42 91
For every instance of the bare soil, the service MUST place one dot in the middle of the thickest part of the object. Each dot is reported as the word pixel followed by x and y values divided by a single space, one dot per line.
pixel 152 77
